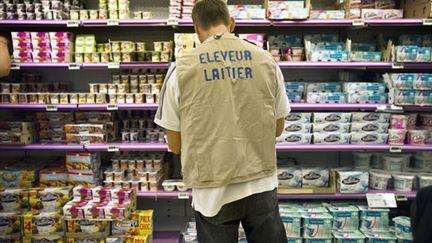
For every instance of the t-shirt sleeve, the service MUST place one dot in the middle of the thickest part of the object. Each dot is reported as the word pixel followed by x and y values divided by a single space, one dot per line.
pixel 282 107
pixel 168 113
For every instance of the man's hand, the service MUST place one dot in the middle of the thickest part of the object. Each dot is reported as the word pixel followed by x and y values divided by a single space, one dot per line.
pixel 174 141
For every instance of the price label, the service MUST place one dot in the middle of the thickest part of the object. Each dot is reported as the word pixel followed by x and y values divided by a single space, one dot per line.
pixel 74 66
pixel 396 108
pixel 358 22
pixel 401 198
pixel 395 149
pixel 73 23
pixel 113 22
pixel 382 107
pixel 51 108
pixel 427 21
pixel 112 107
pixel 381 200
pixel 113 65
pixel 397 65
pixel 15 66
pixel 173 21
pixel 113 148
pixel 183 195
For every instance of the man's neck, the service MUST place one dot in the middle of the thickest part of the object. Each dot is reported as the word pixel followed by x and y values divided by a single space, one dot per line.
pixel 216 30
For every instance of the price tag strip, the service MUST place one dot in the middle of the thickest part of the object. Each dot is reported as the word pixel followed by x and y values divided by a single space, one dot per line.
pixel 113 22
pixel 73 23
pixel 173 22
pixel 395 149
pixel 74 66
pixel 183 195
pixel 113 65
pixel 397 65
pixel 15 66
pixel 427 21
pixel 113 148
pixel 358 22
pixel 112 107
pixel 381 200
pixel 51 108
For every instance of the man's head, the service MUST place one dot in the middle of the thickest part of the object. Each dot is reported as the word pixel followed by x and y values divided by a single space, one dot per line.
pixel 211 17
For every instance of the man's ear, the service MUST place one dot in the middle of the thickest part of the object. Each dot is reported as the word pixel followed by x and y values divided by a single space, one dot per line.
pixel 232 25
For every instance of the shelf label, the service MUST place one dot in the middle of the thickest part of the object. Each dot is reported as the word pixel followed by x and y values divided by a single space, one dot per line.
pixel 74 66
pixel 381 200
pixel 112 107
pixel 395 149
pixel 382 107
pixel 113 65
pixel 73 23
pixel 113 22
pixel 396 108
pixel 358 22
pixel 401 198
pixel 173 21
pixel 51 108
pixel 183 195
pixel 397 65
pixel 113 148
pixel 15 66
pixel 427 21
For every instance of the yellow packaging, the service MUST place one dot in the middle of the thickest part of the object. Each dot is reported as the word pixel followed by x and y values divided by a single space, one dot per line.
pixel 137 239
pixel 145 220
pixel 47 223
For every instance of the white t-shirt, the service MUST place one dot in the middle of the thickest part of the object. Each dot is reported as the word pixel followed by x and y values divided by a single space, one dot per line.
pixel 209 201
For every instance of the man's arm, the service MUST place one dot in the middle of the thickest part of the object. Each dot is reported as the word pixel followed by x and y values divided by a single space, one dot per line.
pixel 174 141
pixel 281 102
pixel 280 123
pixel 4 57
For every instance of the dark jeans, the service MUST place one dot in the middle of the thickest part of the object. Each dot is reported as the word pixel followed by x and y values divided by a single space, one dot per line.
pixel 258 214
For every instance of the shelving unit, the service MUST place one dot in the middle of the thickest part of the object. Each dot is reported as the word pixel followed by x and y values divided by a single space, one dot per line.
pixel 101 66
pixel 167 237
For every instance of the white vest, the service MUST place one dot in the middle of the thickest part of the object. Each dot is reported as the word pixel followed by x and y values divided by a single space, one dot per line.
pixel 227 112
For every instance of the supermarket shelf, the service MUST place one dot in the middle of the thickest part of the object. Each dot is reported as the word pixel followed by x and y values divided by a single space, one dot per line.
pixel 126 23
pixel 330 196
pixel 427 108
pixel 335 65
pixel 395 22
pixel 128 65
pixel 239 23
pixel 38 107
pixel 335 107
pixel 335 147
pixel 313 23
pixel 42 147
pixel 415 148
pixel 113 147
pixel 95 107
pixel 34 65
pixel 33 23
pixel 166 237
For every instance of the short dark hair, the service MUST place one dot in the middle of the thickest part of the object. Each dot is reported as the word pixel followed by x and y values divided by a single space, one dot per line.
pixel 209 13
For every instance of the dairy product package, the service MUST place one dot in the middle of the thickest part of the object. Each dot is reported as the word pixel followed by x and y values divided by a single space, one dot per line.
pixel 320 117
pixel 298 117
pixel 402 80
pixel 326 98
pixel 317 226
pixel 327 14
pixel 367 98
pixel 317 240
pixel 331 138
pixel 345 218
pixel 332 127
pixel 295 87
pixel 368 138
pixel 324 87
pixel 289 177
pixel 381 237
pixel 329 56
pixel 292 223
pixel 294 138
pixel 293 13
pixel 315 177
pixel 299 127
pixel 353 181
pixel 313 208
pixel 370 117
pixel 379 179
pixel 423 81
pixel 354 236
pixel 423 97
pixel 366 56
pixel 374 220
pixel 369 127
pixel 403 228
pixel 361 87
pixel 295 97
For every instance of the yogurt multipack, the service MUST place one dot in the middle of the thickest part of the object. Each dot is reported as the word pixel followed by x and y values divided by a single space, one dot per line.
pixel 350 181
pixel 289 177
pixel 315 177
pixel 345 218
pixel 354 236
pixel 317 226
pixel 374 220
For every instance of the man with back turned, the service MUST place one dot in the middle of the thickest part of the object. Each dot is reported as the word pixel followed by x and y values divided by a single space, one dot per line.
pixel 223 104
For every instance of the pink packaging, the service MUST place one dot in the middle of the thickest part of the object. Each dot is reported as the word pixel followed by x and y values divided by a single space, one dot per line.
pixel 41 56
pixel 59 36
pixel 396 136
pixel 40 36
pixel 426 120
pixel 23 46
pixel 41 46
pixel 22 56
pixel 412 120
pixel 21 36
pixel 416 137
pixel 399 121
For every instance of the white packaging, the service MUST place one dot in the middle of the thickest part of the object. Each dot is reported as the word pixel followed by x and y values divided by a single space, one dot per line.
pixel 370 117
pixel 289 177
pixel 362 87
pixel 294 138
pixel 298 127
pixel 362 160
pixel 422 162
pixel 382 237
pixel 320 117
pixel 425 180
pixel 403 228
pixel 396 162
pixel 369 127
pixel 374 219
pixel 353 236
pixel 317 226
pixel 324 87
pixel 315 177
pixel 331 138
pixel 298 117
pixel 368 138
pixel 292 224
pixel 403 182
pixel 345 218
pixel 353 181
pixel 332 127
pixel 379 179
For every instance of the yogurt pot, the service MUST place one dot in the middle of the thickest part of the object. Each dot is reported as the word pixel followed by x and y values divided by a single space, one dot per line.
pixel 403 182
pixel 362 159
pixel 317 226
pixel 345 218
pixel 398 121
pixel 396 162
pixel 378 179
pixel 381 237
pixel 403 227
pixel 377 161
pixel 354 236
pixel 396 136
pixel 169 185
pixel 374 219
pixel 425 180
pixel 292 224
pixel 416 137
pixel 422 162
